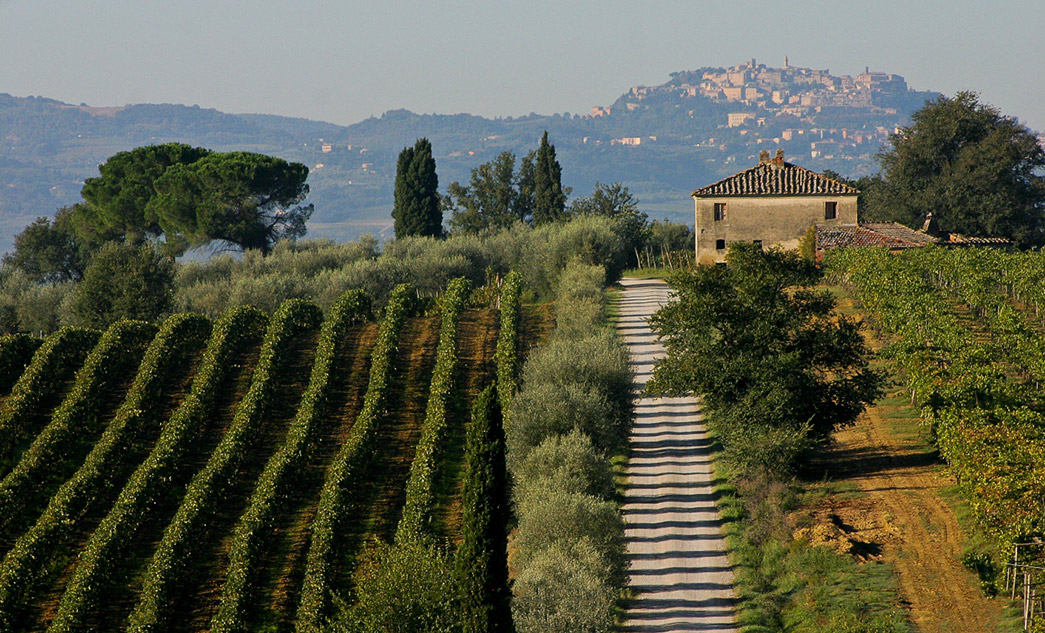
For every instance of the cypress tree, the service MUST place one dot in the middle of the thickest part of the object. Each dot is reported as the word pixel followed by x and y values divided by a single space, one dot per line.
pixel 416 210
pixel 482 558
pixel 549 198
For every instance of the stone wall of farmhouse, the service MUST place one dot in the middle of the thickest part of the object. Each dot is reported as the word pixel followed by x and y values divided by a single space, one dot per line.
pixel 773 220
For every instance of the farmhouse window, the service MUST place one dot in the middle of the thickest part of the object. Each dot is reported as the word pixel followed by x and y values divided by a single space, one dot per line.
pixel 720 211
pixel 720 245
pixel 830 210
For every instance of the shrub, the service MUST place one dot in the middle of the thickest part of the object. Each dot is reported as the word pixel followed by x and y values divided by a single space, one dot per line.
pixel 111 457
pixel 275 484
pixel 123 282
pixel 182 537
pixel 565 589
pixel 416 518
pixel 569 463
pixel 482 560
pixel 348 465
pixel 79 419
pixel 548 409
pixel 568 517
pixel 96 566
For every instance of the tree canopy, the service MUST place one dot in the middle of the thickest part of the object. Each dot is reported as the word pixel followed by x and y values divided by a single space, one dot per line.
pixel 118 197
pixel 616 202
pixel 417 209
pixel 124 282
pixel 241 198
pixel 978 172
pixel 549 199
pixel 492 198
pixel 776 368
pixel 190 197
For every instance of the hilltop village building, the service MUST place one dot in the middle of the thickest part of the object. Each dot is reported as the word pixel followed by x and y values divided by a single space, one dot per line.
pixel 772 204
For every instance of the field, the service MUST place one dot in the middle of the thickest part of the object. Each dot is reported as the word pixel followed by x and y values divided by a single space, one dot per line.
pixel 229 475
pixel 965 333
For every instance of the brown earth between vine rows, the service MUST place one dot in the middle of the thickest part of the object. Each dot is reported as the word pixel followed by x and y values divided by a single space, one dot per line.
pixel 379 498
pixel 284 566
pixel 201 591
pixel 64 557
pixel 900 516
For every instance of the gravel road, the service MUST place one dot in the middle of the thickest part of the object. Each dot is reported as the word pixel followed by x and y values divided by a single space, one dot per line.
pixel 679 570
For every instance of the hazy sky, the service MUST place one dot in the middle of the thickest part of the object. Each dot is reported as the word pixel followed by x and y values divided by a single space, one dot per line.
pixel 344 61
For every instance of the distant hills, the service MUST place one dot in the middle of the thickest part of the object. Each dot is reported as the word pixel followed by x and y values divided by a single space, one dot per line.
pixel 661 141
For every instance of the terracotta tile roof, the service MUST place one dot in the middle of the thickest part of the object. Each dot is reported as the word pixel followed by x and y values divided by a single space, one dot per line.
pixel 900 232
pixel 829 237
pixel 957 238
pixel 776 179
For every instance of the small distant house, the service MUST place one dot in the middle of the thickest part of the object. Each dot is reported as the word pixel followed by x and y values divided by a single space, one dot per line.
pixel 772 204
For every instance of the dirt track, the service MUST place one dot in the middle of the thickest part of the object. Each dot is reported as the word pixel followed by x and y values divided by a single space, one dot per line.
pixel 902 515
pixel 679 570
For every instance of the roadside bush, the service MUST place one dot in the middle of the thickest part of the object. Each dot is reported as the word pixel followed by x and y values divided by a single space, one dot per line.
pixel 561 516
pixel 565 589
pixel 548 409
pixel 598 364
pixel 569 463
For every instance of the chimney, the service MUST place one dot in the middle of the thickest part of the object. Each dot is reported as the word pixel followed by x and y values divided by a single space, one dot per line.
pixel 931 226
pixel 778 160
pixel 763 157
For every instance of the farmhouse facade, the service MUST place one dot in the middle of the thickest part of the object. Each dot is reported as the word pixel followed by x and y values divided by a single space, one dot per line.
pixel 772 204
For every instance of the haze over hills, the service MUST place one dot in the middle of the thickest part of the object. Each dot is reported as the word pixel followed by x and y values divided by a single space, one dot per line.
pixel 661 141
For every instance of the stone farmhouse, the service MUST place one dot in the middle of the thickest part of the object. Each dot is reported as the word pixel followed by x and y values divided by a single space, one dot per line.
pixel 772 204
pixel 775 203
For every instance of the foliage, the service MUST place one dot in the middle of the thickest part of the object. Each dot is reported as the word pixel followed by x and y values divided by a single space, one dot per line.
pixel 408 587
pixel 549 199
pixel 274 486
pixel 569 463
pixel 77 420
pixel 347 467
pixel 492 198
pixel 978 172
pixel 118 199
pixel 566 588
pixel 482 559
pixel 417 208
pixel 29 306
pixel 47 252
pixel 576 395
pixel 667 236
pixel 242 199
pixel 416 519
pixel 181 538
pixel 774 365
pixel 123 282
pixel 39 386
pixel 16 352
pixel 616 202
pixel 506 355
pixel 112 456
pixel 978 392
pixel 99 560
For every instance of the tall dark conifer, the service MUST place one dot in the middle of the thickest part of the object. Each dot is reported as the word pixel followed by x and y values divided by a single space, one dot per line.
pixel 482 558
pixel 549 198
pixel 416 210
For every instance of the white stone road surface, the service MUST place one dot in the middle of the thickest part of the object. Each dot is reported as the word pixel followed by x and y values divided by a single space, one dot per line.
pixel 676 545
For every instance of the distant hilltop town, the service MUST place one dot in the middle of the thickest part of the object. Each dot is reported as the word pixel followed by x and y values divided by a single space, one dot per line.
pixel 751 106
pixel 786 91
